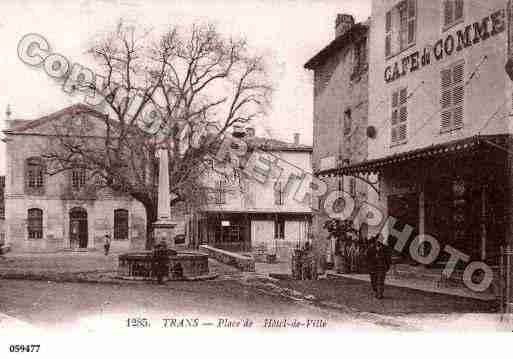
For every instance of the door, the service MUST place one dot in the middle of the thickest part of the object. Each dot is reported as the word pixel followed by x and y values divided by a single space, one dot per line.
pixel 78 228
pixel 405 209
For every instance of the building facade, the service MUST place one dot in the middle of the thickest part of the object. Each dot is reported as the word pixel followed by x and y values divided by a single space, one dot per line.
pixel 2 210
pixel 439 109
pixel 243 214
pixel 340 114
pixel 61 212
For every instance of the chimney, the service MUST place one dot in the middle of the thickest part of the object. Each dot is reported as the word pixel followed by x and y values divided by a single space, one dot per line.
pixel 238 132
pixel 343 23
pixel 296 138
pixel 250 131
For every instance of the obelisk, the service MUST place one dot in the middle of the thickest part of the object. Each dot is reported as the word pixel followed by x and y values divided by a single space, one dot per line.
pixel 163 227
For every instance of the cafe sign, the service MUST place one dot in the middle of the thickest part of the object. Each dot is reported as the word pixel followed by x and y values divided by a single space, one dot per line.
pixel 453 43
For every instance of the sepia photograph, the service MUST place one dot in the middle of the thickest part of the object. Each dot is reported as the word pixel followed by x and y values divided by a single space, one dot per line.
pixel 324 172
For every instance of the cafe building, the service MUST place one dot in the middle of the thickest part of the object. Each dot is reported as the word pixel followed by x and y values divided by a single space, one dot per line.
pixel 439 123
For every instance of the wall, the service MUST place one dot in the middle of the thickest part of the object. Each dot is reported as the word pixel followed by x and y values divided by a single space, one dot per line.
pixel 487 97
pixel 484 95
pixel 259 197
pixel 335 91
pixel 56 204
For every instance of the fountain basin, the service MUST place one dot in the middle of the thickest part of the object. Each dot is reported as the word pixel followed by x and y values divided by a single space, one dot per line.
pixel 140 266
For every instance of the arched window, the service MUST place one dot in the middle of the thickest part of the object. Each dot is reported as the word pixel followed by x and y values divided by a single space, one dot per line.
pixel 120 224
pixel 35 171
pixel 35 223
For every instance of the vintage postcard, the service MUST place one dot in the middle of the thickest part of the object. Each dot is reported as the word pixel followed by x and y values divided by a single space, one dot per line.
pixel 177 171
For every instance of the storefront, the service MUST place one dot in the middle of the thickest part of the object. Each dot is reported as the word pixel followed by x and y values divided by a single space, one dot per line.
pixel 455 192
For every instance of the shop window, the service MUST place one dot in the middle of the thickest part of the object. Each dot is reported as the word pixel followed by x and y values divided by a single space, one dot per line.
pixel 400 27
pixel 120 224
pixel 78 178
pixel 35 173
pixel 347 122
pixel 279 228
pixel 399 121
pixel 35 223
pixel 279 193
pixel 452 12
pixel 452 97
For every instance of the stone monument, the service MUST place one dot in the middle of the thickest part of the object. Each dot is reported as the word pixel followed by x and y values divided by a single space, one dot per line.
pixel 163 227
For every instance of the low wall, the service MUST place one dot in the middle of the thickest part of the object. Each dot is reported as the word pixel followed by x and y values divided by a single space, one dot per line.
pixel 245 264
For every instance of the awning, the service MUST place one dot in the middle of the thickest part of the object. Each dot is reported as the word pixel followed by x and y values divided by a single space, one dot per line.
pixel 463 146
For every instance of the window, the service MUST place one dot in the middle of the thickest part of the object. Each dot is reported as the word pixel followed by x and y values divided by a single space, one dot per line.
pixel 388 34
pixel 279 193
pixel 35 223
pixel 35 170
pixel 399 116
pixel 279 228
pixel 360 58
pixel 347 122
pixel 120 224
pixel 400 27
pixel 453 12
pixel 78 178
pixel 220 193
pixel 452 97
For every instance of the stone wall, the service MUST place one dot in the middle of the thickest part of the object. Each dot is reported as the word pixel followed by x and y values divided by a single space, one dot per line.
pixel 245 264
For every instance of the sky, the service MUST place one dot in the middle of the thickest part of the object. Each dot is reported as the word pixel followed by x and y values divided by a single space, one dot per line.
pixel 288 32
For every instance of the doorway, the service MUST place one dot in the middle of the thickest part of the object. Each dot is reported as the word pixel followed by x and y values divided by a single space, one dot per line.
pixel 78 228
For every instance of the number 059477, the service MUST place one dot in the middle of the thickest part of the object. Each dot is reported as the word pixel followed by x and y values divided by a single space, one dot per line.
pixel 24 348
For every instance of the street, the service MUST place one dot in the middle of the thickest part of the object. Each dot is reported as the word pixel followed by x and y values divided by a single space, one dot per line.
pixel 70 305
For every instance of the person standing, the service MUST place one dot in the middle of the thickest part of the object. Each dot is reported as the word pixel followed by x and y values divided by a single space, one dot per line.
pixel 378 261
pixel 106 245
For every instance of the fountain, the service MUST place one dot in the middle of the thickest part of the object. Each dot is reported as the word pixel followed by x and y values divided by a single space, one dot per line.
pixel 183 265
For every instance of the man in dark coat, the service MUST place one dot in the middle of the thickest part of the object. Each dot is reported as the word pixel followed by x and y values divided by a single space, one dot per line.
pixel 378 261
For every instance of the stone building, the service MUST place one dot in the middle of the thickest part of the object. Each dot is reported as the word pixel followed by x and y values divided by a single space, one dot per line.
pixel 340 113
pixel 440 106
pixel 61 212
pixel 243 214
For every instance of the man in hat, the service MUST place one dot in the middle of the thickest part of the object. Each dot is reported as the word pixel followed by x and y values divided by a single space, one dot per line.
pixel 378 261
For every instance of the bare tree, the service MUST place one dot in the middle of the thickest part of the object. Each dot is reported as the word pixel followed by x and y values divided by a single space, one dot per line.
pixel 180 92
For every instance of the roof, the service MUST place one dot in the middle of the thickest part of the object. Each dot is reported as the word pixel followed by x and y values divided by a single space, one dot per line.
pixel 461 146
pixel 19 125
pixel 350 36
pixel 269 144
pixel 265 144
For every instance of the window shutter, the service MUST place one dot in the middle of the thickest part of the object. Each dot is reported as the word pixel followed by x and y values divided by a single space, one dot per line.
pixel 458 94
pixel 277 193
pixel 446 98
pixel 411 21
pixel 448 15
pixel 388 33
pixel 399 120
pixel 458 10
pixel 388 21
pixel 452 97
